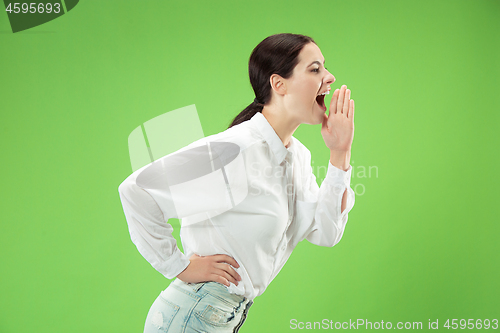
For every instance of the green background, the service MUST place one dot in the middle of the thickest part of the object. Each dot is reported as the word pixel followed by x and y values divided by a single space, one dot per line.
pixel 422 239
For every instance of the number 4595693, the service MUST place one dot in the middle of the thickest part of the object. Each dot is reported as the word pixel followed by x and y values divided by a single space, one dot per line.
pixel 33 8
pixel 470 324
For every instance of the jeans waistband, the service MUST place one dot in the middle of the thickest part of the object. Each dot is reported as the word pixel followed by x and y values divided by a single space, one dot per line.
pixel 212 287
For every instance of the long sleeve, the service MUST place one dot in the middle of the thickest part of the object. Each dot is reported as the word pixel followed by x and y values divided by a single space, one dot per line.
pixel 329 222
pixel 191 184
pixel 149 229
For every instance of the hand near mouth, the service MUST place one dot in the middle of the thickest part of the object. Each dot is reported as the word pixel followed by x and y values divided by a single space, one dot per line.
pixel 338 127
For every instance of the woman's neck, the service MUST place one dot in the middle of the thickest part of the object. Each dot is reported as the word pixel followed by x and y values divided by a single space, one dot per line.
pixel 282 125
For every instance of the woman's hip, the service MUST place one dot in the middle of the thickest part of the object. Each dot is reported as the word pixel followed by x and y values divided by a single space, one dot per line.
pixel 194 307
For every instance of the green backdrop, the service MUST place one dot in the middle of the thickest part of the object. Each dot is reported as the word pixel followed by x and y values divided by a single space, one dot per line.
pixel 422 239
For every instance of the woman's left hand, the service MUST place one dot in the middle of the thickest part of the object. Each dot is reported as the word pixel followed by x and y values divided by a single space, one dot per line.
pixel 338 127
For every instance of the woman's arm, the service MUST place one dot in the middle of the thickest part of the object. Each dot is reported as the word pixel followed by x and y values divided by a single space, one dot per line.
pixel 333 200
pixel 149 229
pixel 341 160
pixel 148 196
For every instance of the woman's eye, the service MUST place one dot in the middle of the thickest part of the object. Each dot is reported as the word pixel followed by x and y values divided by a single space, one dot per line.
pixel 316 70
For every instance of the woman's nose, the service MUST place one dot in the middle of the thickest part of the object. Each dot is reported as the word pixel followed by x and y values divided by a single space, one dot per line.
pixel 329 79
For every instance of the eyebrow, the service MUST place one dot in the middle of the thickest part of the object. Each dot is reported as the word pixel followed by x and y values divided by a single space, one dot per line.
pixel 316 62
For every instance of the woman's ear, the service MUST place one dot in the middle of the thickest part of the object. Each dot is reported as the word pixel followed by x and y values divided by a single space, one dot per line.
pixel 278 84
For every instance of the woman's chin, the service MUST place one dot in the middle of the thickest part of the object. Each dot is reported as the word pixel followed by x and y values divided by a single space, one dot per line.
pixel 321 117
pixel 316 116
pixel 316 119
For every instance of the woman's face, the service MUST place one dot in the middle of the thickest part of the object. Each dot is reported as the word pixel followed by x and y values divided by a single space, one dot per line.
pixel 309 80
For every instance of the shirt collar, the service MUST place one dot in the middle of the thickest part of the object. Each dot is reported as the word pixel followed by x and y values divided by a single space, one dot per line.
pixel 267 131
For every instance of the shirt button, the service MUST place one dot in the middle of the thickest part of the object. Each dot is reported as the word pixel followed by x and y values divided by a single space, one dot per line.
pixel 283 247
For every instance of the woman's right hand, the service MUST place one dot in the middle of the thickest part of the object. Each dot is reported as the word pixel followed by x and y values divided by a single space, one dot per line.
pixel 215 268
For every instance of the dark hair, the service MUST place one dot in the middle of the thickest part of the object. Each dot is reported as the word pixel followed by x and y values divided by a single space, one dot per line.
pixel 277 54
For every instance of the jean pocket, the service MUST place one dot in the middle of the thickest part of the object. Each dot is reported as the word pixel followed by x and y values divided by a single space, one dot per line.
pixel 161 315
pixel 215 313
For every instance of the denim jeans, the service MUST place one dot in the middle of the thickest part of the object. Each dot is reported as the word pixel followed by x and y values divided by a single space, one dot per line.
pixel 205 307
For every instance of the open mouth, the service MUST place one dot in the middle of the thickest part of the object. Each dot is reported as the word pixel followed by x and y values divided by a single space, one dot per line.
pixel 320 99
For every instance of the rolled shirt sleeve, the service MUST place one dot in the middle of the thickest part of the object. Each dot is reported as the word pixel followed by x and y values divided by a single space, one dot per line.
pixel 329 221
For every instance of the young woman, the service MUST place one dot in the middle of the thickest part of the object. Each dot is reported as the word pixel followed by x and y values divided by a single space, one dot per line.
pixel 245 196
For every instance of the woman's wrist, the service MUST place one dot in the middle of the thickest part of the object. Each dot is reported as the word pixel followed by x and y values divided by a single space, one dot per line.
pixel 340 159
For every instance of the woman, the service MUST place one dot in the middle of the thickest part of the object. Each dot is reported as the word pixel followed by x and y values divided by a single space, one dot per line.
pixel 246 196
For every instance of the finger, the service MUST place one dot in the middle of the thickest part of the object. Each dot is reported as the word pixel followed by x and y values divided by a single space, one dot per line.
pixel 340 102
pixel 230 270
pixel 346 102
pixel 226 258
pixel 226 276
pixel 351 110
pixel 234 278
pixel 220 279
pixel 333 102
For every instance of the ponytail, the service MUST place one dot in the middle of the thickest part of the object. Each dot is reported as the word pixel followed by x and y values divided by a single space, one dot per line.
pixel 247 113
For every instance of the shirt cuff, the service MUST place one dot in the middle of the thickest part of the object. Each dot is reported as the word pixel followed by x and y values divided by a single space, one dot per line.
pixel 336 176
pixel 175 265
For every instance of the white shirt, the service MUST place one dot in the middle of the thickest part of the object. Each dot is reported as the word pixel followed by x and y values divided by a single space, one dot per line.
pixel 240 192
